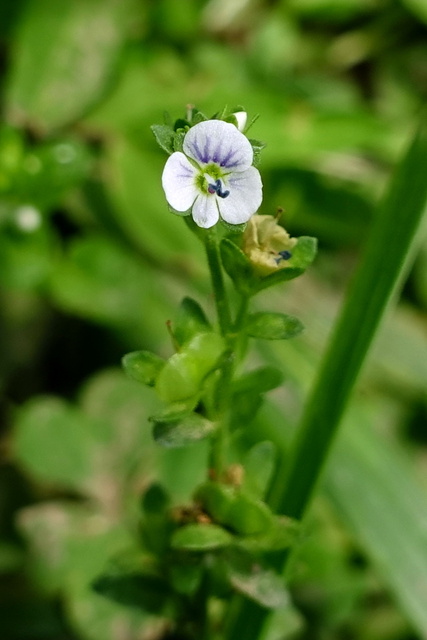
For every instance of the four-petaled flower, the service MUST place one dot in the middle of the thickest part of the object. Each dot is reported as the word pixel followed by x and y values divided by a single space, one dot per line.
pixel 214 176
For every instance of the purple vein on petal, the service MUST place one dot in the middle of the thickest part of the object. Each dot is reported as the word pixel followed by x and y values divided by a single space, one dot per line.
pixel 206 149
pixel 217 154
pixel 225 162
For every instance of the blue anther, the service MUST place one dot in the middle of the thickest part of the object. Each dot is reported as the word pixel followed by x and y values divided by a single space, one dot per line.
pixel 216 188
pixel 284 255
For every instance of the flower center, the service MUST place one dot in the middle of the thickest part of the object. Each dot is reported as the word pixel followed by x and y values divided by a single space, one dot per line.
pixel 217 188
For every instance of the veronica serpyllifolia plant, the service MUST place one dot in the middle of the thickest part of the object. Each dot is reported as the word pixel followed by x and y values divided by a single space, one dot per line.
pixel 214 545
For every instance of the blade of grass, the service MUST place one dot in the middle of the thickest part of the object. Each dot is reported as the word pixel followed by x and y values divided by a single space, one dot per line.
pixel 377 495
pixel 387 255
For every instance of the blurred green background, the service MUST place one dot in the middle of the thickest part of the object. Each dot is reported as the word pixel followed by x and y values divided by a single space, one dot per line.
pixel 92 265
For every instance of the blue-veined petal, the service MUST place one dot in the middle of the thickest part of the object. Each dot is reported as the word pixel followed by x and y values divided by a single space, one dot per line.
pixel 178 182
pixel 205 211
pixel 215 141
pixel 245 196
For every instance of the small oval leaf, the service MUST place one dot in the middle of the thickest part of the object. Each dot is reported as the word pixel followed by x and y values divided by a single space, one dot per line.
pixel 143 366
pixel 183 431
pixel 254 581
pixel 273 326
pixel 201 537
pixel 191 320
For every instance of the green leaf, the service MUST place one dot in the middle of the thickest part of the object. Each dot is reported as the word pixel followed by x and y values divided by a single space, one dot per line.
pixel 259 380
pixel 390 246
pixel 237 265
pixel 229 506
pixel 186 575
pixel 51 425
pixel 247 393
pixel 64 59
pixel 372 483
pixel 183 375
pixel 155 500
pixel 148 592
pixel 191 320
pixel 181 431
pixel 418 8
pixel 143 366
pixel 259 464
pixel 201 537
pixel 164 136
pixel 215 499
pixel 261 585
pixel 272 326
pixel 281 535
pixel 248 516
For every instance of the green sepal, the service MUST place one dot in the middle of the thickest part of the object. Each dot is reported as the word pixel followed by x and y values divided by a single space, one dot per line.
pixel 180 431
pixel 233 228
pixel 303 255
pixel 257 147
pixel 272 326
pixel 180 124
pixel 191 320
pixel 237 266
pixel 245 574
pixel 134 584
pixel 201 538
pixel 197 116
pixel 178 141
pixel 165 136
pixel 143 366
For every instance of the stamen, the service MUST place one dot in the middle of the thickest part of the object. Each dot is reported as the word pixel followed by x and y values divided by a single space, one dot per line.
pixel 284 255
pixel 216 188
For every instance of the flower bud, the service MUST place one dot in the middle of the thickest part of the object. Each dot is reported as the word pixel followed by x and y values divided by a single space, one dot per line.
pixel 241 117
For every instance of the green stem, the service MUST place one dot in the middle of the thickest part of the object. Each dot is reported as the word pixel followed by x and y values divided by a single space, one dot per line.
pixel 220 441
pixel 220 294
pixel 386 258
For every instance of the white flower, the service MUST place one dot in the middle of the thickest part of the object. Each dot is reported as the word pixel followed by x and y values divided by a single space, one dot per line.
pixel 214 176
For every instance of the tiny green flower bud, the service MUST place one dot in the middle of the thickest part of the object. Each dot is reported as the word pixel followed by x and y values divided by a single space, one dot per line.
pixel 267 244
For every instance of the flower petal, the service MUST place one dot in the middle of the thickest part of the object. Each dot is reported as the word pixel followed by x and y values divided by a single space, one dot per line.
pixel 178 182
pixel 205 211
pixel 245 196
pixel 219 142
